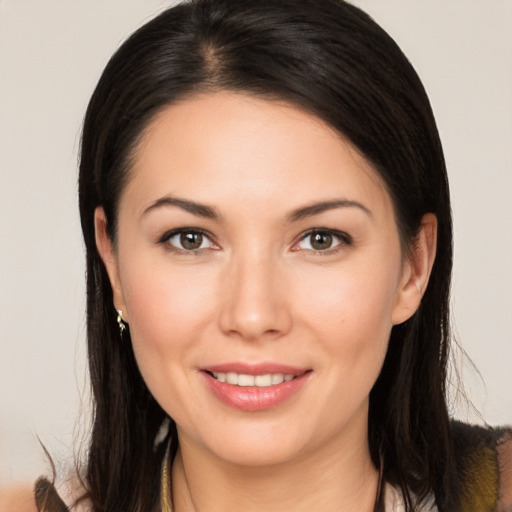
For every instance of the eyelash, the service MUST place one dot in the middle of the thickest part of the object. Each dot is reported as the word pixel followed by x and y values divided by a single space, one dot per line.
pixel 165 240
pixel 344 240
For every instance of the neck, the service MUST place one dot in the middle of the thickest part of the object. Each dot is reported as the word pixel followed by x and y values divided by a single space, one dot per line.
pixel 332 479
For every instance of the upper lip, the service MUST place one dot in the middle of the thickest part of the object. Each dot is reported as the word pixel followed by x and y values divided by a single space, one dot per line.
pixel 255 368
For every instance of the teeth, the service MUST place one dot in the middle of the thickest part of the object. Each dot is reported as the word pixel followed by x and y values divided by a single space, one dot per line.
pixel 245 380
pixel 277 378
pixel 261 381
pixel 231 378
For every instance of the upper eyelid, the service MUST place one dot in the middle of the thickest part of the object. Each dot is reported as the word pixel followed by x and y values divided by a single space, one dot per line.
pixel 164 240
pixel 342 235
pixel 335 232
pixel 344 238
pixel 177 231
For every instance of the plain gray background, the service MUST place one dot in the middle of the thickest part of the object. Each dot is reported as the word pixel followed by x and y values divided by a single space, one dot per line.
pixel 51 55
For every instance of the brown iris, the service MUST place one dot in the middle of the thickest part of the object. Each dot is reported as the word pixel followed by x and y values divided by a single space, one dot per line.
pixel 191 241
pixel 321 241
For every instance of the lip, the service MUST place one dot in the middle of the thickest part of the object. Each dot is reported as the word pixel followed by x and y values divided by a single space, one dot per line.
pixel 253 398
pixel 255 368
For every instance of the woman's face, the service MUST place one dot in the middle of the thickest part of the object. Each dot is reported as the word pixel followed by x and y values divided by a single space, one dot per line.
pixel 259 267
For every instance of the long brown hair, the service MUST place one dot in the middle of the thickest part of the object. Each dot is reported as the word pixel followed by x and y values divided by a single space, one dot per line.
pixel 328 58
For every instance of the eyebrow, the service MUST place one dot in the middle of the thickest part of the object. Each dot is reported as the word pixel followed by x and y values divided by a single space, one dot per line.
pixel 317 208
pixel 201 210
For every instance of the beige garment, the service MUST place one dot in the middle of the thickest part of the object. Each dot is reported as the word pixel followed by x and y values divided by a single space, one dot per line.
pixel 393 501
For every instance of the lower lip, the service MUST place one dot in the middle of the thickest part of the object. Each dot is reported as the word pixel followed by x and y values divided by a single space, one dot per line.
pixel 253 398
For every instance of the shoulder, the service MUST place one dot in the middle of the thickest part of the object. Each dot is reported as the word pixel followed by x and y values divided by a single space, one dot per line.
pixel 19 498
pixel 484 466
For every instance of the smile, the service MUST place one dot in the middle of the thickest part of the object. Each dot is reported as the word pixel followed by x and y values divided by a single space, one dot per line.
pixel 256 388
pixel 260 381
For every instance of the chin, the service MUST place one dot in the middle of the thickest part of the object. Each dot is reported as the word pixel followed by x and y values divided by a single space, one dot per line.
pixel 255 454
pixel 252 443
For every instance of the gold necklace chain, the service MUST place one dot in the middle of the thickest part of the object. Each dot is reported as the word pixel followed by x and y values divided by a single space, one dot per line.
pixel 165 482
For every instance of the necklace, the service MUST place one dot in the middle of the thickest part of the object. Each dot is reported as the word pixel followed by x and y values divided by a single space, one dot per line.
pixel 165 482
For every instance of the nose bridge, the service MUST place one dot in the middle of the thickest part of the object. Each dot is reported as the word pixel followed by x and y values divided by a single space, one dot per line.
pixel 255 303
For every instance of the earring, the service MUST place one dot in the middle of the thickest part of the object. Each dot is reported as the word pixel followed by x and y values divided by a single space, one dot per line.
pixel 122 325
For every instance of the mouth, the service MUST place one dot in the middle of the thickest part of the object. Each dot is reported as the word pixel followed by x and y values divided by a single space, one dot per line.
pixel 260 381
pixel 255 389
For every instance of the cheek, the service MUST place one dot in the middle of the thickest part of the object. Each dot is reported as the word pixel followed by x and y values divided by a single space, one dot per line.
pixel 349 313
pixel 349 316
pixel 352 302
pixel 167 309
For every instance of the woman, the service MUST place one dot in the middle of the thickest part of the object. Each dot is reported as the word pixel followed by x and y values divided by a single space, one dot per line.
pixel 266 213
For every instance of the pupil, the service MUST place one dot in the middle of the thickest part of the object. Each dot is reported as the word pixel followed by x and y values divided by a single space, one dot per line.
pixel 191 240
pixel 321 241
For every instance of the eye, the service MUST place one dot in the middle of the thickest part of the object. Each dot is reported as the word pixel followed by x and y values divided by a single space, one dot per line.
pixel 188 240
pixel 323 240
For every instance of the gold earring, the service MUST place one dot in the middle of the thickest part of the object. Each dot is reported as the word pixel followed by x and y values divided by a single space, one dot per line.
pixel 122 325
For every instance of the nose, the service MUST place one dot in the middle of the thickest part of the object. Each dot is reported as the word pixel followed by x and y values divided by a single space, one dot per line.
pixel 256 303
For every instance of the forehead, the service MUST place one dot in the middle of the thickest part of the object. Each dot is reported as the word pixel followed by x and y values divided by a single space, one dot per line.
pixel 216 147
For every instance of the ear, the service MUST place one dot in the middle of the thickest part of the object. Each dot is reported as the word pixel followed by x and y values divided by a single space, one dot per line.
pixel 416 270
pixel 109 258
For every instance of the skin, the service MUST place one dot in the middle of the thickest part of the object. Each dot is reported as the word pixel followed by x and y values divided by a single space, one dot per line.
pixel 257 292
pixel 19 497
